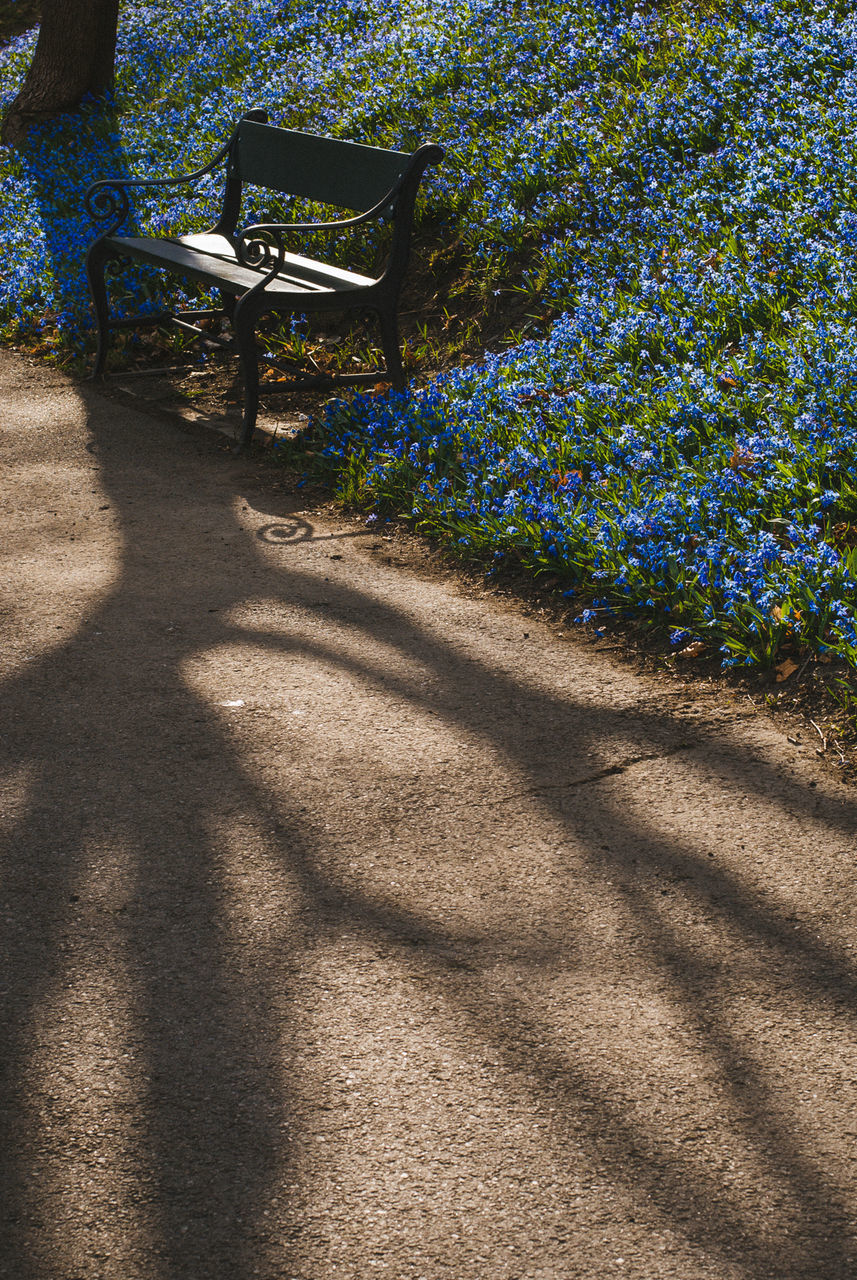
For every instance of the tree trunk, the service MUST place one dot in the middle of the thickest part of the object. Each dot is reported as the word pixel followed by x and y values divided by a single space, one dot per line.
pixel 74 57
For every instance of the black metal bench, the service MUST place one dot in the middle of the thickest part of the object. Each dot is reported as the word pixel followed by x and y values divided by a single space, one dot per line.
pixel 251 269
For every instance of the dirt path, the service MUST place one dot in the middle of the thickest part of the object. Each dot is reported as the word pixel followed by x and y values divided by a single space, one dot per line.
pixel 355 926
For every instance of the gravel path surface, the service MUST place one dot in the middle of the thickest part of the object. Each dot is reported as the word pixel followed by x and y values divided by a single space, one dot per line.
pixel 355 924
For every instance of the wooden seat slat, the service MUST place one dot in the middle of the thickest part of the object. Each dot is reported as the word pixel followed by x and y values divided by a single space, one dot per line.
pixel 223 270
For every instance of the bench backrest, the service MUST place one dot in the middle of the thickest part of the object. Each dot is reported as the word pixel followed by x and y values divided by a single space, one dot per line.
pixel 348 175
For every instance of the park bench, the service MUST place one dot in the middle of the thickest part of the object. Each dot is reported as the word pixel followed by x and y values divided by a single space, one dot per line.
pixel 251 270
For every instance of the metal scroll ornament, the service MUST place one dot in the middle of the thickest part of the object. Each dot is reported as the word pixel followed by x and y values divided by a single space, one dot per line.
pixel 108 202
pixel 262 249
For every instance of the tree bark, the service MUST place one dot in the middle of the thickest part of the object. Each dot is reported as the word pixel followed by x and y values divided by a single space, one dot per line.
pixel 74 58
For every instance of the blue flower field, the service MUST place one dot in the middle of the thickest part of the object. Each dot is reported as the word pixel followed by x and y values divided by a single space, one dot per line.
pixel 669 190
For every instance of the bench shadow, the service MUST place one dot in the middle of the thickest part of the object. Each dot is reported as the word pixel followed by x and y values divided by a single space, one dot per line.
pixel 125 858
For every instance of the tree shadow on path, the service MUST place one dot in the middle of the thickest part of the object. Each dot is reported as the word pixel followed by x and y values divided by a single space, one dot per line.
pixel 120 864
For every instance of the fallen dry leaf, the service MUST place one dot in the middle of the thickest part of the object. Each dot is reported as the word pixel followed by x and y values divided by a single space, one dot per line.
pixel 785 669
pixel 741 458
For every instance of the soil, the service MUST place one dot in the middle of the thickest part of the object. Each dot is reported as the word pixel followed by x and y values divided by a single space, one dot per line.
pixel 359 920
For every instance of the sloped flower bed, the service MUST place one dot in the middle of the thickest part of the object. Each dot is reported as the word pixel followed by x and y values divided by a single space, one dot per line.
pixel 677 187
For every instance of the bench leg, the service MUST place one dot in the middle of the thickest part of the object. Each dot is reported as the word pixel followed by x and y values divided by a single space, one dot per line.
pixel 391 349
pixel 96 260
pixel 245 339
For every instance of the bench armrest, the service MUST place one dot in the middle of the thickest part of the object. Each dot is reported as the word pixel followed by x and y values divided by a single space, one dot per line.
pixel 261 245
pixel 276 229
pixel 107 199
pixel 262 248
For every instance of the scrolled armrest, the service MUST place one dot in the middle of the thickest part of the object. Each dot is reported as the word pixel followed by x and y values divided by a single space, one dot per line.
pixel 261 247
pixel 278 229
pixel 107 199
